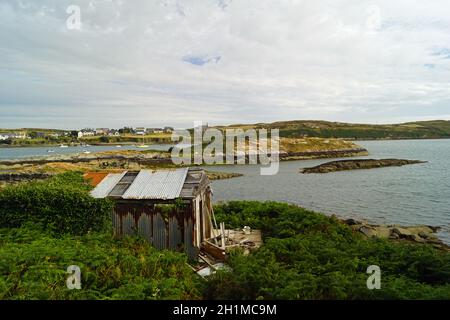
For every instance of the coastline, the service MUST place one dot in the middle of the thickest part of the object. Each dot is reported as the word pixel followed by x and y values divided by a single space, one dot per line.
pixel 417 234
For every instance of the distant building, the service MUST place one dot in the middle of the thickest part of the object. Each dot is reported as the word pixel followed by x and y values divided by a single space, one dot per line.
pixel 13 135
pixel 140 131
pixel 155 130
pixel 114 133
pixel 168 129
pixel 21 135
pixel 101 131
pixel 86 133
pixel 6 136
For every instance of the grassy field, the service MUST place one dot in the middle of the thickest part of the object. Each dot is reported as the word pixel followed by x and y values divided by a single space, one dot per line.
pixel 315 144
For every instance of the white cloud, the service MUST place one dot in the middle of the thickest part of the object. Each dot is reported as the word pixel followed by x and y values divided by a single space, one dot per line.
pixel 258 60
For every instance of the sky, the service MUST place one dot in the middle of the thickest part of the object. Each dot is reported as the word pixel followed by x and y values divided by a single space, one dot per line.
pixel 172 62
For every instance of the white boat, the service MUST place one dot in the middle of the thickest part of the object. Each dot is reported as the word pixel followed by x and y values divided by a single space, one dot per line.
pixel 63 146
pixel 118 146
pixel 86 152
pixel 50 151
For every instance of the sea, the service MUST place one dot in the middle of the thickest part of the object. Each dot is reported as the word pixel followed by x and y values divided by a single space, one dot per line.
pixel 409 195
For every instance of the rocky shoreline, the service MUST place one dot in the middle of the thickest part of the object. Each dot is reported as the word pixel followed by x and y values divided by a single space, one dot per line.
pixel 215 175
pixel 420 234
pixel 342 165
pixel 308 155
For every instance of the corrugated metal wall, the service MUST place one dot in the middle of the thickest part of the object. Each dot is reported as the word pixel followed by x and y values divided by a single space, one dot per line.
pixel 165 230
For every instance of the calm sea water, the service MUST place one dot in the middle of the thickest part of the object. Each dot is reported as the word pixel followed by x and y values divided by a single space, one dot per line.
pixel 27 152
pixel 408 195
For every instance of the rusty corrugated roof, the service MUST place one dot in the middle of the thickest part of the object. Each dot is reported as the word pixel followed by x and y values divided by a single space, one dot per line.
pixel 164 184
pixel 95 177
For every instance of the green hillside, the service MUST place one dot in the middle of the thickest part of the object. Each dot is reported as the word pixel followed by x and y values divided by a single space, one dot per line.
pixel 325 129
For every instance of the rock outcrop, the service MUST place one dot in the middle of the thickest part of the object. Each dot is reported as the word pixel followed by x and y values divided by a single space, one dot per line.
pixel 418 234
pixel 308 155
pixel 215 175
pixel 356 164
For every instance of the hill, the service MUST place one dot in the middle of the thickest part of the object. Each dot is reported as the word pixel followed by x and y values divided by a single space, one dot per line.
pixel 315 128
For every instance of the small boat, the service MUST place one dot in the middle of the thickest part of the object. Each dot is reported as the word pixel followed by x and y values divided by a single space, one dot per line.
pixel 50 151
pixel 118 146
pixel 63 146
pixel 86 152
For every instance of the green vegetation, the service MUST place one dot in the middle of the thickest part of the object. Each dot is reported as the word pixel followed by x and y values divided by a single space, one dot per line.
pixel 33 265
pixel 50 225
pixel 324 129
pixel 307 255
pixel 61 204
pixel 129 138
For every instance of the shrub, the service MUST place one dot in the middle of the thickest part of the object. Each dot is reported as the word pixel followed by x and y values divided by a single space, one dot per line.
pixel 62 204
pixel 307 255
pixel 33 264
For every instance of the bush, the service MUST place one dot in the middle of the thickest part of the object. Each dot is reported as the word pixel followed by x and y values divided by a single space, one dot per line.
pixel 307 255
pixel 33 264
pixel 104 139
pixel 61 204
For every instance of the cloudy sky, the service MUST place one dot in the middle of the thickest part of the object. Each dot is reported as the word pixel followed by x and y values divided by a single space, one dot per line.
pixel 172 62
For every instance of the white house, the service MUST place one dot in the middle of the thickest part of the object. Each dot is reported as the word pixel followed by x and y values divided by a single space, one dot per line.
pixel 140 131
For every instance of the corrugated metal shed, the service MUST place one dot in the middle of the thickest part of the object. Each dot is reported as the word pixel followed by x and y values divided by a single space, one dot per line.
pixel 157 184
pixel 144 204
pixel 103 189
